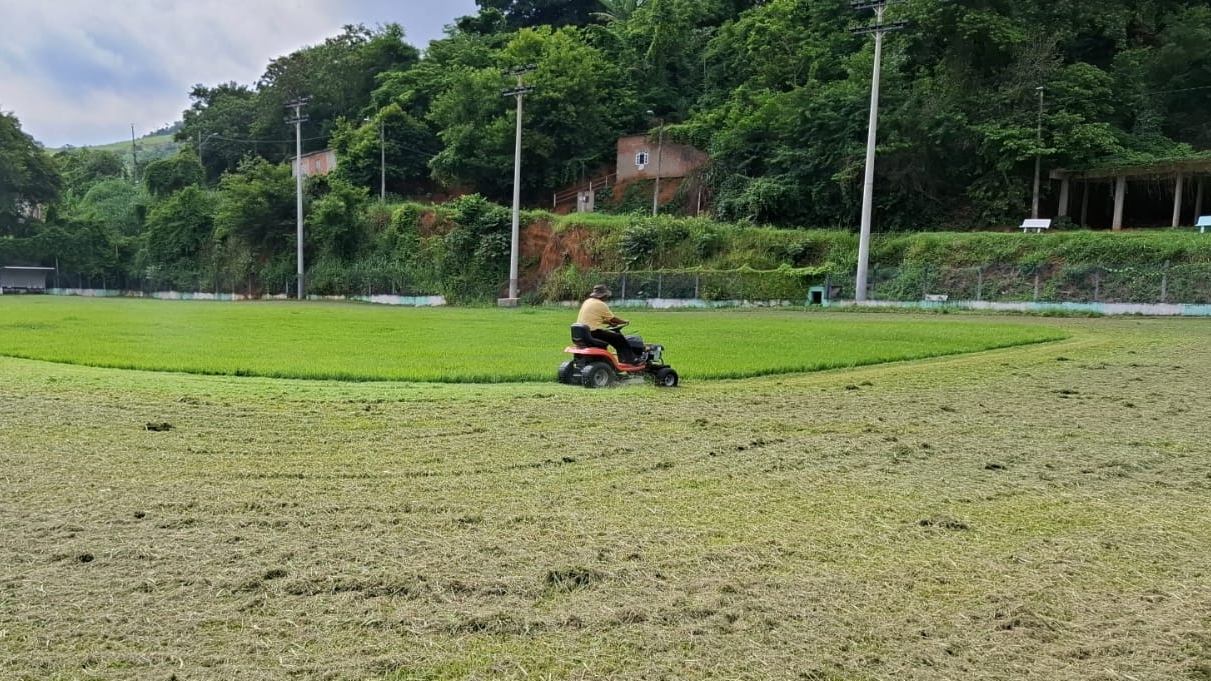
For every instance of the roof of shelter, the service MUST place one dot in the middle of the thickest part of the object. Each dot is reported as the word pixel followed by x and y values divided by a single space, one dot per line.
pixel 1159 168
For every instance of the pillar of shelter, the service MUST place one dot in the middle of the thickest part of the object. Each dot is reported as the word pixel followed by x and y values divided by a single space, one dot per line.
pixel 1084 203
pixel 1198 200
pixel 1064 189
pixel 1120 198
pixel 1177 199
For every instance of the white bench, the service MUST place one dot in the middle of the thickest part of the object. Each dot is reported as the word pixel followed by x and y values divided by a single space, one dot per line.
pixel 1203 223
pixel 1035 225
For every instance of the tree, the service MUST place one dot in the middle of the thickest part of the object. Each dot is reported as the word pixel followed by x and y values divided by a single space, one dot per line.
pixel 178 233
pixel 257 207
pixel 572 119
pixel 165 176
pixel 218 124
pixel 534 13
pixel 83 168
pixel 28 179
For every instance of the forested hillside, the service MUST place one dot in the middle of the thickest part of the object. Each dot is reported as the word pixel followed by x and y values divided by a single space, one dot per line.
pixel 776 92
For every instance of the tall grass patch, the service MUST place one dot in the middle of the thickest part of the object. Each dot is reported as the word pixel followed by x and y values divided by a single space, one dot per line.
pixel 461 345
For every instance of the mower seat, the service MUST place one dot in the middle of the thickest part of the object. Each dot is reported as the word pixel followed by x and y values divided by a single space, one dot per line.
pixel 582 337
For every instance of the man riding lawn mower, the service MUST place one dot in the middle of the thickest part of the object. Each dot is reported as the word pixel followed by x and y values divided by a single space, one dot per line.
pixel 593 366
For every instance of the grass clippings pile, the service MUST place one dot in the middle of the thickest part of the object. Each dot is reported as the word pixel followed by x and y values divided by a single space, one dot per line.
pixel 1026 513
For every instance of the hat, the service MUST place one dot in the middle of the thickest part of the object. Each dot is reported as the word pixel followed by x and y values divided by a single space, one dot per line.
pixel 600 291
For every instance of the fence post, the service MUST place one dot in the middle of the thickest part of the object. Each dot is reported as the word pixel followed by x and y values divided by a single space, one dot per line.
pixel 1097 284
pixel 697 282
pixel 1036 283
pixel 660 284
pixel 1165 281
pixel 624 287
pixel 979 283
pixel 924 281
pixel 874 279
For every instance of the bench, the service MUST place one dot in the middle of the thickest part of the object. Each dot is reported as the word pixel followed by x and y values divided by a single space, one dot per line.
pixel 1036 225
pixel 1203 223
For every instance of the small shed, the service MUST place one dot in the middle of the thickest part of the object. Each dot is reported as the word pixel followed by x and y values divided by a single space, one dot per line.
pixel 17 279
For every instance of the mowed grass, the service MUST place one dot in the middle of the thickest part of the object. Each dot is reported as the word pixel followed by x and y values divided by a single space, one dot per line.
pixel 1037 512
pixel 367 342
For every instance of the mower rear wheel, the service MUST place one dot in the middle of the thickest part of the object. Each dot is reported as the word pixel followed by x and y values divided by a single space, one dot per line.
pixel 597 375
pixel 565 373
pixel 666 378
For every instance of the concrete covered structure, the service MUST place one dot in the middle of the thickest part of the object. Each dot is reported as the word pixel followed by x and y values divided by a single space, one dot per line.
pixel 24 279
pixel 1184 175
pixel 641 157
pixel 319 162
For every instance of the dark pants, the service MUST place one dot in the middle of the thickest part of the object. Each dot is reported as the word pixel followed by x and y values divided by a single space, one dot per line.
pixel 619 342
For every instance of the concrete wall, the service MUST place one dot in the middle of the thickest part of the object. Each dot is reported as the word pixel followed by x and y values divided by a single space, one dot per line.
pixel 317 163
pixel 675 160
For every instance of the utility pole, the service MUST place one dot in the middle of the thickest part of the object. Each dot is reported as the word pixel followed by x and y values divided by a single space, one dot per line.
pixel 868 186
pixel 202 143
pixel 297 119
pixel 1038 157
pixel 519 93
pixel 134 156
pixel 659 158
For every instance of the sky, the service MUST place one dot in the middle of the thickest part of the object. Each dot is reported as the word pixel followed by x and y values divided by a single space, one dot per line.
pixel 82 72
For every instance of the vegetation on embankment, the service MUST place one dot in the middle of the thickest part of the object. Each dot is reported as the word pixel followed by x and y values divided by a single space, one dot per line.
pixel 622 242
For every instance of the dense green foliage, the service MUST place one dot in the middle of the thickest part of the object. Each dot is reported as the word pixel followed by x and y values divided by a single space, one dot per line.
pixel 363 342
pixel 776 92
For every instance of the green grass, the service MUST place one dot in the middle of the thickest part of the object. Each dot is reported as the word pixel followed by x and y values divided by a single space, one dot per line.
pixel 364 342
pixel 1035 513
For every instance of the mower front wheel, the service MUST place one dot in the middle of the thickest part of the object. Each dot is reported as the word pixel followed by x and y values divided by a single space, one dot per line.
pixel 597 375
pixel 565 372
pixel 666 378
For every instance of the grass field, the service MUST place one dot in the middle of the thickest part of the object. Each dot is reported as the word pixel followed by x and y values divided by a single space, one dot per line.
pixel 371 342
pixel 1036 512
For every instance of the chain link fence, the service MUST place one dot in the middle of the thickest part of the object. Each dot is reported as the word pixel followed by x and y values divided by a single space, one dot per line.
pixel 1073 283
pixel 1188 284
pixel 1079 283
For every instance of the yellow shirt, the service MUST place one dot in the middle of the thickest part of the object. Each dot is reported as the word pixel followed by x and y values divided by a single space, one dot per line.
pixel 595 313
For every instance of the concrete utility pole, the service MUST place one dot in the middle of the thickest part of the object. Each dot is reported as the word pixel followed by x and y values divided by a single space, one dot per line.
pixel 659 159
pixel 518 92
pixel 1038 158
pixel 134 156
pixel 868 186
pixel 298 120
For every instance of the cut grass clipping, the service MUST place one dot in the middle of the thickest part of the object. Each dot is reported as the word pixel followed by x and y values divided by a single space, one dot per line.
pixel 1030 514
pixel 365 342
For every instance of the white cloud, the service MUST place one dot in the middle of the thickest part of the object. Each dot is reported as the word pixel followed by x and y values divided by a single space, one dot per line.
pixel 81 72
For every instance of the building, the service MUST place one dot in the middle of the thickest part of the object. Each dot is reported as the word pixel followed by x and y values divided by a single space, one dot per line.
pixel 642 157
pixel 15 279
pixel 319 162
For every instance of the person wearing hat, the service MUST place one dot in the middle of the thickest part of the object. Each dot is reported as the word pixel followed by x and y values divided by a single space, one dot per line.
pixel 596 313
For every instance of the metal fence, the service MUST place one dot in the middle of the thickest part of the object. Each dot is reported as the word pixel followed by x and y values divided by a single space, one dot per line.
pixel 1175 284
pixel 1079 283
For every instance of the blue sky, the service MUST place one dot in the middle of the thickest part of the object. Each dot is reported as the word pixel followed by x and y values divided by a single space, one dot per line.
pixel 81 72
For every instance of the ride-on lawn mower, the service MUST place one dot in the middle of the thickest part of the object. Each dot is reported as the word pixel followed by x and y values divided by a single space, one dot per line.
pixel 594 366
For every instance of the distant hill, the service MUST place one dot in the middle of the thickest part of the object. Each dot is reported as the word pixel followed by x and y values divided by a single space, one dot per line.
pixel 149 148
